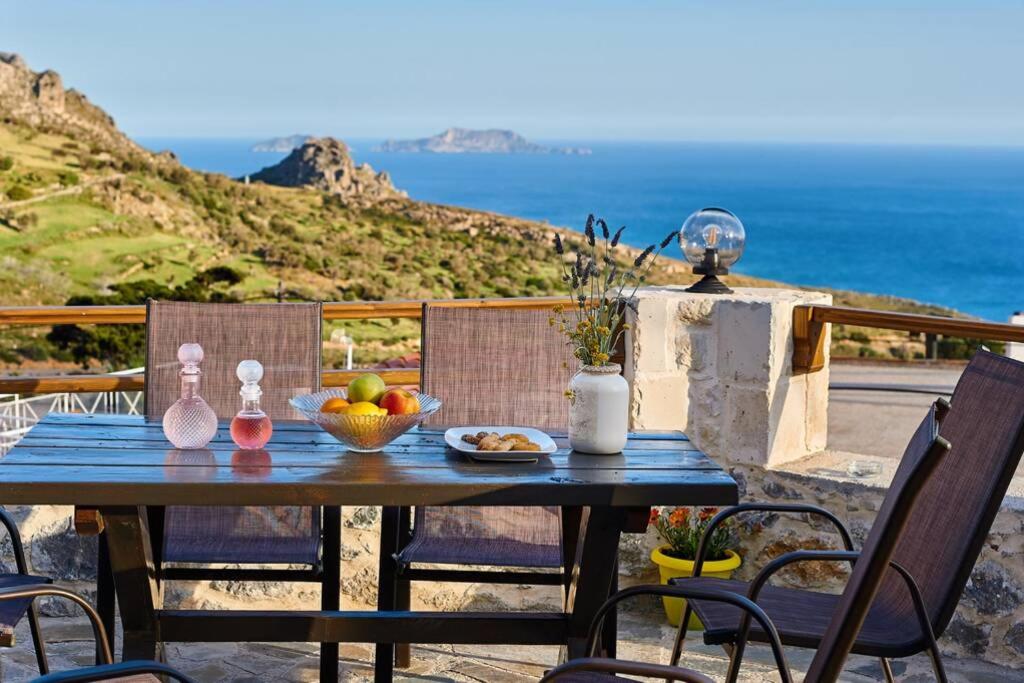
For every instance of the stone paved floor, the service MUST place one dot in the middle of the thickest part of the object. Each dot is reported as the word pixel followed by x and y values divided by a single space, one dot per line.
pixel 642 638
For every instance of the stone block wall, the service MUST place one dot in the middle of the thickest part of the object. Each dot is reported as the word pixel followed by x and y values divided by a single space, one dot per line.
pixel 719 367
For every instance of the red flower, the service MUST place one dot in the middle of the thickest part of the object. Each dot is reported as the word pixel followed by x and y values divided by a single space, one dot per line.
pixel 679 517
pixel 653 519
pixel 707 513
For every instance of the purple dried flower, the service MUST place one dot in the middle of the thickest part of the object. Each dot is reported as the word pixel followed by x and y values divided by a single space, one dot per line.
pixel 589 230
pixel 604 227
pixel 668 238
pixel 639 260
pixel 618 234
pixel 559 247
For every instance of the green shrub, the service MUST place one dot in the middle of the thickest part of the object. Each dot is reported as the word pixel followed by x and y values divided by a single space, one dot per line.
pixel 868 352
pixel 67 178
pixel 6 163
pixel 859 337
pixel 955 348
pixel 19 193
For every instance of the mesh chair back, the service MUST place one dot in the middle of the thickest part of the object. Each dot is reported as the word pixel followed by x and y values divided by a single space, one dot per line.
pixel 492 367
pixel 285 338
pixel 495 367
pixel 946 528
pixel 954 514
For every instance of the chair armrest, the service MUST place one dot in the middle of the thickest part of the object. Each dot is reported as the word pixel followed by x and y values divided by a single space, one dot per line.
pixel 109 672
pixel 839 556
pixel 698 563
pixel 618 666
pixel 43 589
pixel 793 557
pixel 15 535
pixel 749 608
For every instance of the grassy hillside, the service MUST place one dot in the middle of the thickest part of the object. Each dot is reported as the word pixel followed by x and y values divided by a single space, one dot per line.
pixel 78 217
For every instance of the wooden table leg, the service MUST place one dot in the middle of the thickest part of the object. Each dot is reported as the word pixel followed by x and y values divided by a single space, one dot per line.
pixel 138 592
pixel 600 529
pixel 384 658
pixel 330 590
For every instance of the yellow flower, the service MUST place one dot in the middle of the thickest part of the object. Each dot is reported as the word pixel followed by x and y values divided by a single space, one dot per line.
pixel 601 357
pixel 627 326
pixel 602 330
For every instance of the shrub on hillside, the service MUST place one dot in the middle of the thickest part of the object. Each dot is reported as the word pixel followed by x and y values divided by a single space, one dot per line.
pixel 19 193
pixel 67 178
pixel 6 163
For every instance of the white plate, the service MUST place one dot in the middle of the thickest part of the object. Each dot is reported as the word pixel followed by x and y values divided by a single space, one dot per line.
pixel 453 437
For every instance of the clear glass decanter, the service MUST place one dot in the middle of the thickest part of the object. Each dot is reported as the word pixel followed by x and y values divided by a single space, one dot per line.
pixel 190 422
pixel 250 428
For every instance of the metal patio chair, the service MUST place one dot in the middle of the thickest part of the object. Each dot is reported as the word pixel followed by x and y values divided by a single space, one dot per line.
pixel 286 339
pixel 126 672
pixel 13 610
pixel 985 425
pixel 489 367
pixel 873 570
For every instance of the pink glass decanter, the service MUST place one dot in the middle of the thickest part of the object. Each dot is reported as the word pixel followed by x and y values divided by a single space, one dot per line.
pixel 250 428
pixel 190 422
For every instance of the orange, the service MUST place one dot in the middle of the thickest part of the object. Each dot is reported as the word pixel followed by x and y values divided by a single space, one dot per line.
pixel 334 404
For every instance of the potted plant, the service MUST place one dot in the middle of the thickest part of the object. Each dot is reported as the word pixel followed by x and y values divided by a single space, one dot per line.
pixel 681 531
pixel 602 279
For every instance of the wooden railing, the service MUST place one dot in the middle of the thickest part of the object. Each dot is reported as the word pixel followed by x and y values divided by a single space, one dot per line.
pixel 809 335
pixel 810 338
pixel 123 315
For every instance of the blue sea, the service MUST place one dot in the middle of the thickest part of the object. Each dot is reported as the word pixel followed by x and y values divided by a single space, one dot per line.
pixel 943 225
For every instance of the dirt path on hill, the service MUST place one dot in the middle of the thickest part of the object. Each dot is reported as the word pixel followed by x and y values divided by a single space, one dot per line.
pixel 76 189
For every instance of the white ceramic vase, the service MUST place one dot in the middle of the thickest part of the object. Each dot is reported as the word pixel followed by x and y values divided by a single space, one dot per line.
pixel 599 415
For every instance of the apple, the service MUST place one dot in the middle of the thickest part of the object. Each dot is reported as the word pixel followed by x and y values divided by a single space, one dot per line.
pixel 399 402
pixel 368 388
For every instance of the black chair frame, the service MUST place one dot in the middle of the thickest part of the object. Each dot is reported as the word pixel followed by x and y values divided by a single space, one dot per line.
pixel 22 568
pixel 106 670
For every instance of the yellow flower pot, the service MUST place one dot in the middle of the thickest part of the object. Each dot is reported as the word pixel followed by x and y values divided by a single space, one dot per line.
pixel 672 568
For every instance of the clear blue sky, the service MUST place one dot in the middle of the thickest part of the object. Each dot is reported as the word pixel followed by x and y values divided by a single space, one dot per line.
pixel 929 71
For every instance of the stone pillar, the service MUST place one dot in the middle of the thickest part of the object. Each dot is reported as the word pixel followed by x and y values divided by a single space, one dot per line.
pixel 719 367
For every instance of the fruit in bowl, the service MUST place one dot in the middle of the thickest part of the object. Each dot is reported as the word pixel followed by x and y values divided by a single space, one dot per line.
pixel 399 402
pixel 335 404
pixel 366 388
pixel 366 425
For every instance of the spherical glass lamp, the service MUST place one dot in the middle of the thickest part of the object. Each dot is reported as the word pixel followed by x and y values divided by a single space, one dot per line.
pixel 712 239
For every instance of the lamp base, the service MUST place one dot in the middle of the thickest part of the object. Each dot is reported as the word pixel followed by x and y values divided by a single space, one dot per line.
pixel 709 284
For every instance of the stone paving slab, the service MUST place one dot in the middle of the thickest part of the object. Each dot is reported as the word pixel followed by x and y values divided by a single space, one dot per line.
pixel 70 644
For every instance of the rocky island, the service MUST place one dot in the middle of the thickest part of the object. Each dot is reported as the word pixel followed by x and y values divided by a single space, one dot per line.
pixel 466 141
pixel 326 164
pixel 285 144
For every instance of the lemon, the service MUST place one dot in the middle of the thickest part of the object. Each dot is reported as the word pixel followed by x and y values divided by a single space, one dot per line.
pixel 363 408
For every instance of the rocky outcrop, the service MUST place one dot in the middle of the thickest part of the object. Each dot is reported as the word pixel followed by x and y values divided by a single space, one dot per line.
pixel 40 101
pixel 326 164
pixel 463 140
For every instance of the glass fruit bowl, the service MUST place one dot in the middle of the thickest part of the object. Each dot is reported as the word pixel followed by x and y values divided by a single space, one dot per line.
pixel 362 433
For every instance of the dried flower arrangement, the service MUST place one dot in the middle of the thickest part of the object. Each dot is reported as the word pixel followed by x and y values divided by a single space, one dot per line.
pixel 600 290
pixel 682 531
